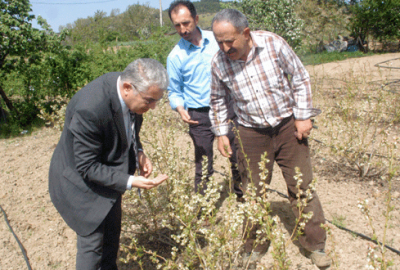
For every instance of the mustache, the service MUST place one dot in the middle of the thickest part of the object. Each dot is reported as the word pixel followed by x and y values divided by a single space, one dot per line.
pixel 231 50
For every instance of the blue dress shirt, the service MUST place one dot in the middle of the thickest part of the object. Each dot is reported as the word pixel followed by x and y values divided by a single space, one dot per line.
pixel 189 70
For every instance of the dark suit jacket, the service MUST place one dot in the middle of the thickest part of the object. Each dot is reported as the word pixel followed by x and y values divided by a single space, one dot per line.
pixel 92 162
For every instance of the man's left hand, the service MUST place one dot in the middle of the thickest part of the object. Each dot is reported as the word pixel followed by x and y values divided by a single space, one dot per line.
pixel 146 168
pixel 303 128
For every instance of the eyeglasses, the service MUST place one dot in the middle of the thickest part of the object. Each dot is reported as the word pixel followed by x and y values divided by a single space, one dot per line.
pixel 147 100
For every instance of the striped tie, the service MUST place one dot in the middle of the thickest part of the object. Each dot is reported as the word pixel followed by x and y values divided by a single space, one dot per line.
pixel 134 145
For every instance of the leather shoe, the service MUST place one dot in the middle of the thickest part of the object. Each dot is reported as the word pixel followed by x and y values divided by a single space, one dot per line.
pixel 320 258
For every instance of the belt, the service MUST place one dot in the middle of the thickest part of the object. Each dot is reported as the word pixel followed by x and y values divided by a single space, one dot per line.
pixel 201 109
pixel 282 123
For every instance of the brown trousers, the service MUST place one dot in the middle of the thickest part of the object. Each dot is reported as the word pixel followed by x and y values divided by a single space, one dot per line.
pixel 283 147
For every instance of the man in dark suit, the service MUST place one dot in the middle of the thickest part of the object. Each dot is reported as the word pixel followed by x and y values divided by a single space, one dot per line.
pixel 95 159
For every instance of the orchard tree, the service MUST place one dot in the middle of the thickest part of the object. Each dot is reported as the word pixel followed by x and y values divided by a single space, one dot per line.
pixel 376 18
pixel 139 20
pixel 20 43
pixel 276 16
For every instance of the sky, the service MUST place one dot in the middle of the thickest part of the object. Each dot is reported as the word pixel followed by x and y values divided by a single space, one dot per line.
pixel 61 12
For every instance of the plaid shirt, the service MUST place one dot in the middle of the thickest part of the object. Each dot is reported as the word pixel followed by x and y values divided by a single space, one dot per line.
pixel 260 87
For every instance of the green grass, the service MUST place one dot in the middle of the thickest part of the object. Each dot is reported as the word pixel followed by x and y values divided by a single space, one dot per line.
pixel 325 57
pixel 339 220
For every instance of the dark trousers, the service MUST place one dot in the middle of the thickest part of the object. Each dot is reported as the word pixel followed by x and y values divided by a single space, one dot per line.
pixel 203 139
pixel 283 147
pixel 99 250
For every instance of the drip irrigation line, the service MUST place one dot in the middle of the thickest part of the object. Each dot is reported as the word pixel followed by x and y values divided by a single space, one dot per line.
pixel 16 238
pixel 365 237
pixel 345 229
pixel 379 64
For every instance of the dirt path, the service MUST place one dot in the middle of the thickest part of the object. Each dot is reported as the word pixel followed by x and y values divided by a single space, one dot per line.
pixel 50 244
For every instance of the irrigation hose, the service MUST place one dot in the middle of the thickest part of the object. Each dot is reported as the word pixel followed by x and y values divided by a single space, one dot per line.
pixel 347 230
pixel 16 238
pixel 379 64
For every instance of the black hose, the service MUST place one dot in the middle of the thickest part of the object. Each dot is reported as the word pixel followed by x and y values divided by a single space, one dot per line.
pixel 379 64
pixel 16 238
pixel 340 227
pixel 345 229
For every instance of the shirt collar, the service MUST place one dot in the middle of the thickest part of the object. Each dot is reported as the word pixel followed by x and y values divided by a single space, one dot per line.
pixel 188 44
pixel 257 41
pixel 125 108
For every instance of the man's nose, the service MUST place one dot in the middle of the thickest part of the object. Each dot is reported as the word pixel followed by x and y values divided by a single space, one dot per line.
pixel 226 48
pixel 153 105
pixel 183 29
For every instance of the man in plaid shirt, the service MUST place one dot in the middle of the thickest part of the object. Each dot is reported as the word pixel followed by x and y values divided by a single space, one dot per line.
pixel 272 98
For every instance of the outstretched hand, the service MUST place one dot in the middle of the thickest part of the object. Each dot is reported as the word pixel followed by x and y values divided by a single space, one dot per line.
pixel 142 182
pixel 185 116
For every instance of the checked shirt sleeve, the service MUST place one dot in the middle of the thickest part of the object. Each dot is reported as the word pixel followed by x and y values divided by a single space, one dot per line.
pixel 301 83
pixel 219 110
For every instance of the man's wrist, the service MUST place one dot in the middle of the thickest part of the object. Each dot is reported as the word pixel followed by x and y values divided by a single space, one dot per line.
pixel 130 181
pixel 180 108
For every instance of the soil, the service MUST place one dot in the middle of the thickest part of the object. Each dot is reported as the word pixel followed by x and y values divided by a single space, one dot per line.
pixel 51 244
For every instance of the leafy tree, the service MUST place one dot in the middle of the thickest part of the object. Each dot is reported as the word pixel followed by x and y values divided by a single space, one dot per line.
pixel 21 45
pixel 376 18
pixel 323 22
pixel 276 16
pixel 139 19
pixel 207 6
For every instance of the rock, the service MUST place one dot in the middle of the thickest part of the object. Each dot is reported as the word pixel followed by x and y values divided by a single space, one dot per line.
pixel 336 46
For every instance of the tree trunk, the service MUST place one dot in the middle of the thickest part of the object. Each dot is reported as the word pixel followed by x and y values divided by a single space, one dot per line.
pixel 7 101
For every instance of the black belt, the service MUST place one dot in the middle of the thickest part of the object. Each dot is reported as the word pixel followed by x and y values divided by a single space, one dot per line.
pixel 201 109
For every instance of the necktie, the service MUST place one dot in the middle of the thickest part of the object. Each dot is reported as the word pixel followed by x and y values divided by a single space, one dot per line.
pixel 134 145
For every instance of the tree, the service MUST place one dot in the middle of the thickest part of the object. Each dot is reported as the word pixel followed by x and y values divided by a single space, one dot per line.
pixel 323 22
pixel 20 43
pixel 139 19
pixel 376 18
pixel 207 6
pixel 276 16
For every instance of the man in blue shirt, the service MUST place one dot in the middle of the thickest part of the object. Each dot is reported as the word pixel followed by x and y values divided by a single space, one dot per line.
pixel 189 70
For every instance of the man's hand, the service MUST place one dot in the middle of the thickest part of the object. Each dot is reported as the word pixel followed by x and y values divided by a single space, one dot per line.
pixel 224 146
pixel 146 168
pixel 185 116
pixel 142 182
pixel 303 128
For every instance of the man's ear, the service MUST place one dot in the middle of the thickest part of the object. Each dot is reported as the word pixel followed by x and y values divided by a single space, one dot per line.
pixel 196 19
pixel 126 88
pixel 246 33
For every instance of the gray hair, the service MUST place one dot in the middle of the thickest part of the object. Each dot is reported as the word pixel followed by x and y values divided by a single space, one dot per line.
pixel 232 16
pixel 144 73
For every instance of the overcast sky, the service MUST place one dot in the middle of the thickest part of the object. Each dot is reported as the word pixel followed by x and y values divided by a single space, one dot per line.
pixel 61 12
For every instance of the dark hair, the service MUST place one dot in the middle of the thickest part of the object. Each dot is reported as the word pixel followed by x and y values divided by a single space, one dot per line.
pixel 189 5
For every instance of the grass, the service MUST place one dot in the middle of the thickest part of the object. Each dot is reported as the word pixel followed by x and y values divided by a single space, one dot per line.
pixel 325 57
pixel 339 220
